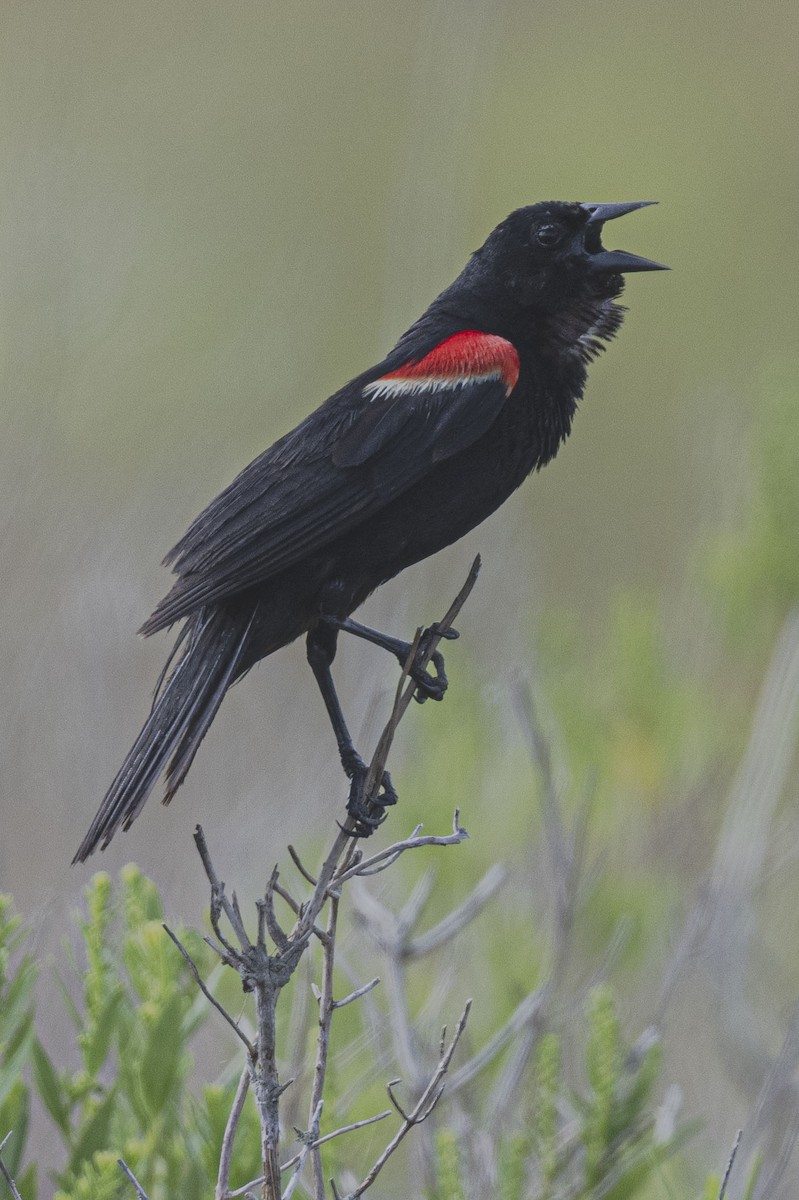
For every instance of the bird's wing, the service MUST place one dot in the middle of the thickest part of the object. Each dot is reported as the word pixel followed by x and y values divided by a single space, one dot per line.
pixel 373 440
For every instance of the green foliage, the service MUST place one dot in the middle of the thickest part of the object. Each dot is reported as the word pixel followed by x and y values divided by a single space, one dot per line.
pixel 755 566
pixel 211 1114
pixel 138 1012
pixel 617 1128
pixel 633 716
pixel 449 1168
pixel 625 713
pixel 617 1136
pixel 595 1139
pixel 16 1045
pixel 512 1164
pixel 545 1111
pixel 129 1097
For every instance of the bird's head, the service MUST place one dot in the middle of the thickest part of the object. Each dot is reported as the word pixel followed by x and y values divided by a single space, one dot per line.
pixel 549 255
pixel 544 273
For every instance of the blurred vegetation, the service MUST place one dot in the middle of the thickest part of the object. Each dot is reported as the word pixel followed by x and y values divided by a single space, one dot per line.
pixel 209 221
pixel 139 1016
pixel 625 740
pixel 16 1043
pixel 754 566
pixel 628 732
pixel 128 1097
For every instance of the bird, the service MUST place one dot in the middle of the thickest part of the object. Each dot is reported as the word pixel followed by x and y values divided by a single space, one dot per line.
pixel 402 461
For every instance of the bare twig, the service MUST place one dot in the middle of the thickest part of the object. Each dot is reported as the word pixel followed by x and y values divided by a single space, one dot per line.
pixel 268 904
pixel 140 1192
pixel 286 895
pixel 397 1106
pixel 209 995
pixel 393 934
pixel 226 1153
pixel 328 1137
pixel 730 1162
pixel 326 1005
pixel 374 1027
pixel 384 858
pixel 266 975
pixel 219 900
pixel 4 1170
pixel 246 1189
pixel 529 1008
pixel 310 1142
pixel 356 995
pixel 381 1116
pixel 295 858
pixel 421 1110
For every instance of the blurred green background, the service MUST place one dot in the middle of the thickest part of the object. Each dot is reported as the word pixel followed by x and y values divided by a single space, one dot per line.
pixel 213 215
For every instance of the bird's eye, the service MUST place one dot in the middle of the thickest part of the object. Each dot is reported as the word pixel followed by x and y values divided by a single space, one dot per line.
pixel 548 235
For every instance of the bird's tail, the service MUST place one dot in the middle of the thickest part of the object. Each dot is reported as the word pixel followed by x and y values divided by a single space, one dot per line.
pixel 211 647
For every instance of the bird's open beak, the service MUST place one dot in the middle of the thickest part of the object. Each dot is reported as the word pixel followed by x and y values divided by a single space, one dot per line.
pixel 601 259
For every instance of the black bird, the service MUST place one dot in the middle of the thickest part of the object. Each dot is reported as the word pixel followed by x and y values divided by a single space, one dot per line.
pixel 402 461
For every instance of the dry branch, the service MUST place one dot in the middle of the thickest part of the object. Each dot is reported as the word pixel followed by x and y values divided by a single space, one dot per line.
pixel 4 1171
pixel 265 973
pixel 140 1192
pixel 421 1110
pixel 226 1153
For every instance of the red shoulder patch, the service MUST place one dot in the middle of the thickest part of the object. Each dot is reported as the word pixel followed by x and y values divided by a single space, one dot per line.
pixel 467 357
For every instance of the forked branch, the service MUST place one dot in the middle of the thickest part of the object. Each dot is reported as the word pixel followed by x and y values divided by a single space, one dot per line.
pixel 266 965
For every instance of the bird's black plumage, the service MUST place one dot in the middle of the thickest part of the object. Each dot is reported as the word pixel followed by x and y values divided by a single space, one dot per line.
pixel 402 461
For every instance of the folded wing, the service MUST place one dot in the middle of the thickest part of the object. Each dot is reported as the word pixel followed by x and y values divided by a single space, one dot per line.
pixel 368 443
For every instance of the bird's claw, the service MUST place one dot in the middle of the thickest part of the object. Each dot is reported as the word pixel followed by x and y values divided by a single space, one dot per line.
pixel 431 685
pixel 368 812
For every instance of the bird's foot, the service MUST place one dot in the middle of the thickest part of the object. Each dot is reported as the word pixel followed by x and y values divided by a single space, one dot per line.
pixel 431 685
pixel 368 812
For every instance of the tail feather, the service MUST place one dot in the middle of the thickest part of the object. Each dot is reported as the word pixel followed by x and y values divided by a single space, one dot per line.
pixel 185 705
pixel 189 743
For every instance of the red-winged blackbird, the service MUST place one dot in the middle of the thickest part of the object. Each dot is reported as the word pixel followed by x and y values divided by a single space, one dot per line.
pixel 402 461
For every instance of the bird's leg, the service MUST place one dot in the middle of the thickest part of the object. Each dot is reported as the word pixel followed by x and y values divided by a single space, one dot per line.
pixel 321 650
pixel 431 685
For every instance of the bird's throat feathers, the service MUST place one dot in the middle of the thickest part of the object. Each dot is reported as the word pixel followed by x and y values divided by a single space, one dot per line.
pixel 580 330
